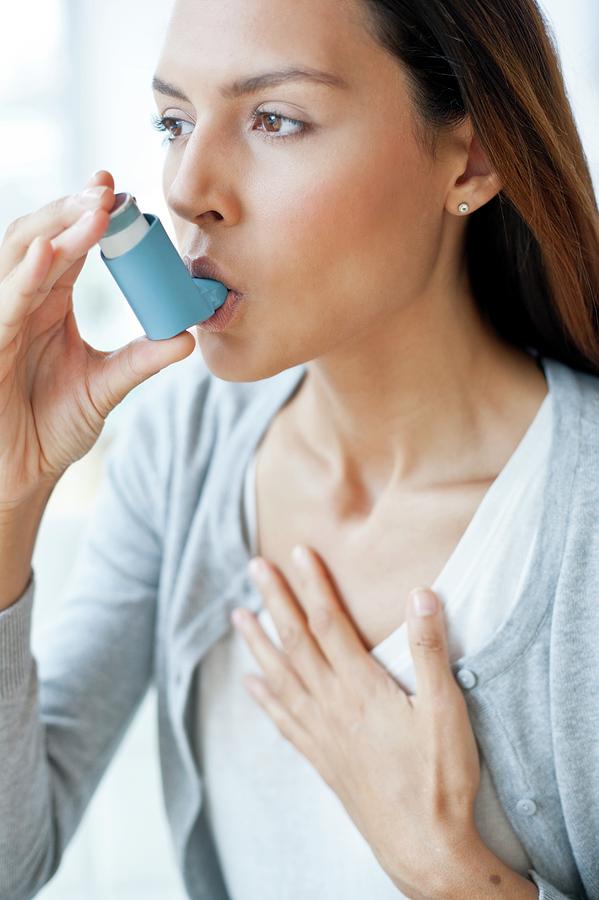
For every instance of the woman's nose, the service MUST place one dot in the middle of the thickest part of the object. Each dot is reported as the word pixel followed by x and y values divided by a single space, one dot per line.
pixel 202 185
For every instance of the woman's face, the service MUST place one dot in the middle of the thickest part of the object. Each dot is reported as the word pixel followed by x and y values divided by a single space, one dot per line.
pixel 329 229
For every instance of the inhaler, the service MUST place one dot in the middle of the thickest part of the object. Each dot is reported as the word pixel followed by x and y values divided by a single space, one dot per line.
pixel 154 279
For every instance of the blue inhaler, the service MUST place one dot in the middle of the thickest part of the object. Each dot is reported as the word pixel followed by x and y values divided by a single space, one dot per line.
pixel 154 279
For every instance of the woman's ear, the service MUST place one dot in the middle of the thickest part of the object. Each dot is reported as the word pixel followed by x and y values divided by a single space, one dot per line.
pixel 477 183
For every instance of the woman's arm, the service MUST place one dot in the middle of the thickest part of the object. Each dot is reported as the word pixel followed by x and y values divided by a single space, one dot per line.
pixel 64 712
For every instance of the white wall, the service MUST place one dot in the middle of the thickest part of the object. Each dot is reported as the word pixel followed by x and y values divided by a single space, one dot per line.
pixel 75 97
pixel 575 25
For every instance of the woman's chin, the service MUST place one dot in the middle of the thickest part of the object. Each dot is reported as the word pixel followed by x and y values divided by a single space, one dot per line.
pixel 236 360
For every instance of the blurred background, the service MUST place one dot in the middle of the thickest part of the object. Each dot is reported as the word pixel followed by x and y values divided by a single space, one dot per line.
pixel 75 97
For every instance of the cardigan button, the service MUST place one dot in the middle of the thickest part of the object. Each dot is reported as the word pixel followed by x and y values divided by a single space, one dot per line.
pixel 467 678
pixel 526 807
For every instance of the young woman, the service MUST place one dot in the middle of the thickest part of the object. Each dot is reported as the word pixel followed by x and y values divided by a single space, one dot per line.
pixel 406 388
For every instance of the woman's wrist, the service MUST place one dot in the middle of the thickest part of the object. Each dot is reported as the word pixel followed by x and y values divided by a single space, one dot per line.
pixel 473 870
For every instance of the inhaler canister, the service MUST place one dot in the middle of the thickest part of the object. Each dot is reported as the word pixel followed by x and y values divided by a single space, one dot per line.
pixel 149 271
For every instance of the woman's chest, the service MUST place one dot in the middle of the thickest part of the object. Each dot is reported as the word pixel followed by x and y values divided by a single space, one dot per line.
pixel 373 561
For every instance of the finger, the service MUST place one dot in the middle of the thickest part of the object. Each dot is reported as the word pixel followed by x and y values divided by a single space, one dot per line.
pixel 29 283
pixel 285 683
pixel 50 222
pixel 289 727
pixel 428 643
pixel 291 625
pixel 101 177
pixel 18 293
pixel 76 241
pixel 329 621
pixel 113 375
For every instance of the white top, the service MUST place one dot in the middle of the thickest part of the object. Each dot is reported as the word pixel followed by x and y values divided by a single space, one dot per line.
pixel 281 833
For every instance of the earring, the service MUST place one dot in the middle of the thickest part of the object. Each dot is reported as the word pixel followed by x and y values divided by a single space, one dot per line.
pixel 464 207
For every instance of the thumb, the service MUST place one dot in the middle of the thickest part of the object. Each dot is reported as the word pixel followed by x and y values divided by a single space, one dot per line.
pixel 120 371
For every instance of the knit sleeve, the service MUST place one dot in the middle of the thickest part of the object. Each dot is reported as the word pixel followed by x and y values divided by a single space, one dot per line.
pixel 64 712
pixel 548 891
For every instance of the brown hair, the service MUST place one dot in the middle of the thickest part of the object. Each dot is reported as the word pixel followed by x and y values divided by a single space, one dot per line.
pixel 533 250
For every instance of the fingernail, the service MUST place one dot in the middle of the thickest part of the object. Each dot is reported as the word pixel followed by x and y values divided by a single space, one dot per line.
pixel 424 602
pixel 301 556
pixel 258 569
pixel 91 196
pixel 237 618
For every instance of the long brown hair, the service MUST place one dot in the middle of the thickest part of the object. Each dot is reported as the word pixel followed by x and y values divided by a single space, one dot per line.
pixel 533 250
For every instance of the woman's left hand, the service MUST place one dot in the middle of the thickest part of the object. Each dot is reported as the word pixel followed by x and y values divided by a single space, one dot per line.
pixel 405 767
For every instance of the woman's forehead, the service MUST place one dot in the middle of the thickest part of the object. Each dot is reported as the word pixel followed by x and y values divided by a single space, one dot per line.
pixel 221 45
pixel 248 33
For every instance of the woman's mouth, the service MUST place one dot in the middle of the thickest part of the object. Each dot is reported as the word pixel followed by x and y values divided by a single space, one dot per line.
pixel 224 315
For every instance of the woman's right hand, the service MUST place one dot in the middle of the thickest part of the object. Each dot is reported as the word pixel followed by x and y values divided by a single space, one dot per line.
pixel 55 389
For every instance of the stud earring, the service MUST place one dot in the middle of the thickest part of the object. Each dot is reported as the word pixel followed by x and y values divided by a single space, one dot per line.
pixel 464 207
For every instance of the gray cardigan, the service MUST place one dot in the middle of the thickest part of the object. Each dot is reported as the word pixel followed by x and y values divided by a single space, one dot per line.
pixel 163 563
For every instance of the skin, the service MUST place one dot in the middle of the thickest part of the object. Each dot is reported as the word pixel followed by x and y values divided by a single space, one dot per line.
pixel 348 246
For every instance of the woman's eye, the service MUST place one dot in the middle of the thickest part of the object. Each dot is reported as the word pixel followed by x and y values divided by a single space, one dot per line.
pixel 170 125
pixel 256 116
pixel 167 123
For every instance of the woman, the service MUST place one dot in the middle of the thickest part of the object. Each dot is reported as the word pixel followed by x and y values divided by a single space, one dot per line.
pixel 410 376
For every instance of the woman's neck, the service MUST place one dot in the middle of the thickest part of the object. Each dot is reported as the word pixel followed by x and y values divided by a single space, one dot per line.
pixel 416 407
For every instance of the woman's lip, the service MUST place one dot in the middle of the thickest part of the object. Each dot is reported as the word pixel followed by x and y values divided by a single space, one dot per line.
pixel 224 315
pixel 204 267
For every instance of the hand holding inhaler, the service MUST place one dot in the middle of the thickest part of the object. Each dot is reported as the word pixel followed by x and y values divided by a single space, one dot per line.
pixel 55 389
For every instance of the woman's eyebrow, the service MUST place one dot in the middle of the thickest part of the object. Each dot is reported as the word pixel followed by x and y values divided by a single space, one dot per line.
pixel 255 83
